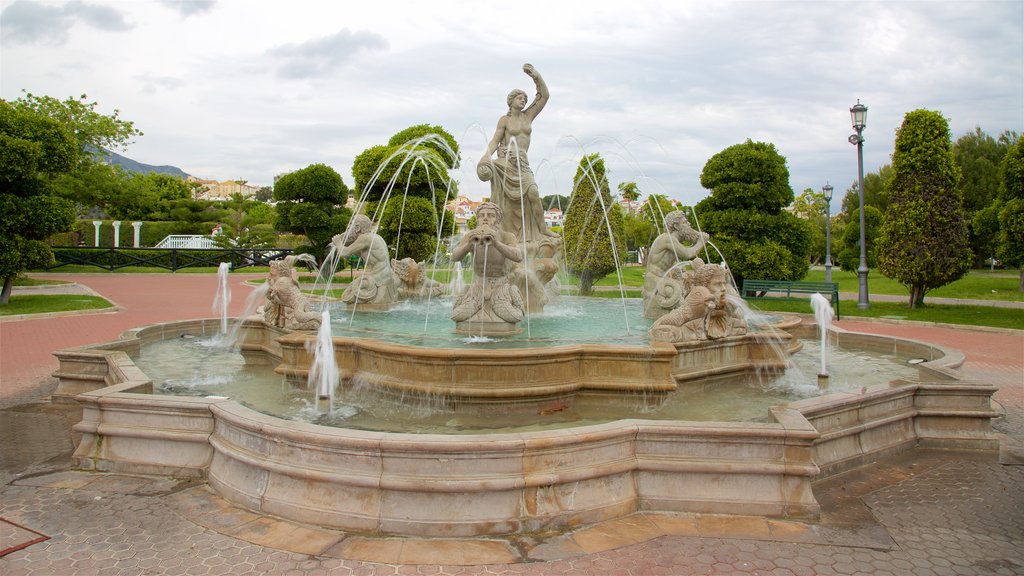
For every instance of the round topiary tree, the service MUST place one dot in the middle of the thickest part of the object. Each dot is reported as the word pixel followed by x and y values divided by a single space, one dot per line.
pixel 311 201
pixel 403 187
pixel 745 214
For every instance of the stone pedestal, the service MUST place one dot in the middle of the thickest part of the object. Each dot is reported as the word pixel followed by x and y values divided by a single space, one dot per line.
pixel 473 327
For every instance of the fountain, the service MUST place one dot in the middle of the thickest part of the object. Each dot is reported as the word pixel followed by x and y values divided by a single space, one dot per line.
pixel 223 298
pixel 823 315
pixel 540 471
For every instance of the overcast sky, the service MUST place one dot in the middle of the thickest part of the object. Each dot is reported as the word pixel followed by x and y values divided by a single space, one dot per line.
pixel 229 89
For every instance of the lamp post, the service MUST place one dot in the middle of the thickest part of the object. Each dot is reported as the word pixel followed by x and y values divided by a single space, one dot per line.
pixel 827 190
pixel 859 116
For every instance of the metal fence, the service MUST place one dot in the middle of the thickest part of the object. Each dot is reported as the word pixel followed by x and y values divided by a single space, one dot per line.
pixel 186 241
pixel 167 258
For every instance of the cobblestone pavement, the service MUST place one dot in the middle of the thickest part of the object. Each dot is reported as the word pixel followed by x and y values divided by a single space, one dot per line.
pixel 924 513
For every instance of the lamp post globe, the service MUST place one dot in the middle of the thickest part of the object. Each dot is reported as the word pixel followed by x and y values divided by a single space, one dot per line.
pixel 827 191
pixel 859 118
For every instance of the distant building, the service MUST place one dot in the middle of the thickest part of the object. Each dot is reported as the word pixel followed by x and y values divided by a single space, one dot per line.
pixel 630 207
pixel 214 190
pixel 464 209
pixel 553 217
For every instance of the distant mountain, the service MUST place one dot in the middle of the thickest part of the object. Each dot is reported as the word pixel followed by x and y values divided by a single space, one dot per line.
pixel 138 167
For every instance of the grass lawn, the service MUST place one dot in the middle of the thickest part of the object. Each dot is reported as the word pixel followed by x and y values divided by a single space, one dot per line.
pixel 83 269
pixel 941 313
pixel 976 285
pixel 26 281
pixel 41 303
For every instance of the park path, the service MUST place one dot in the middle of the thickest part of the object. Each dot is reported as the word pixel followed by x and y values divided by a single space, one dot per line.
pixel 27 345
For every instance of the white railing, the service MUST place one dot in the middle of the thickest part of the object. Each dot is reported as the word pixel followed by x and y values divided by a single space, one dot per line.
pixel 184 241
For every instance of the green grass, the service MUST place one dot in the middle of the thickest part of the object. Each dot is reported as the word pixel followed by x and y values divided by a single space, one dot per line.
pixel 333 293
pixel 976 285
pixel 26 281
pixel 43 303
pixel 83 269
pixel 611 293
pixel 631 276
pixel 939 313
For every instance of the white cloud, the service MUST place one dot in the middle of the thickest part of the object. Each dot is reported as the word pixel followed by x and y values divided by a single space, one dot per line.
pixel 248 89
pixel 189 7
pixel 324 55
pixel 25 22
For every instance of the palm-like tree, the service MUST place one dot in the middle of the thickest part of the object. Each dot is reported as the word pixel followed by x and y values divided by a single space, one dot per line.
pixel 630 192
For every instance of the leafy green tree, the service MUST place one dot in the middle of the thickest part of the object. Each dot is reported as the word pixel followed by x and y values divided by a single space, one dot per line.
pixel 239 230
pixel 744 213
pixel 847 248
pixel 555 201
pixel 246 223
pixel 405 185
pixel 311 201
pixel 1011 209
pixel 810 206
pixel 874 192
pixel 655 209
pixel 924 243
pixel 978 156
pixel 93 188
pixel 264 194
pixel 637 232
pixel 93 131
pixel 33 149
pixel 630 193
pixel 592 234
pixel 260 212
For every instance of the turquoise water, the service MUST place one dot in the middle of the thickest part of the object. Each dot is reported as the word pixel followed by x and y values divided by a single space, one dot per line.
pixel 568 320
pixel 202 367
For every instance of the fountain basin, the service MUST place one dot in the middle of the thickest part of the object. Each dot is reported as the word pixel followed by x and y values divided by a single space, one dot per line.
pixel 527 377
pixel 488 484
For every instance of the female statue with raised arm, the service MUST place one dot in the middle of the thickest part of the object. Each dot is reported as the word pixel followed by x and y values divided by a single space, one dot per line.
pixel 506 164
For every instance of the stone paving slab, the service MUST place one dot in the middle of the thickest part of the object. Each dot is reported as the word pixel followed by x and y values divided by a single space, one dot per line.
pixel 946 513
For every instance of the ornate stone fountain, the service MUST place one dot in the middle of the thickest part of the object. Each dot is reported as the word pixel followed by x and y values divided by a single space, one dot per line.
pixel 471 483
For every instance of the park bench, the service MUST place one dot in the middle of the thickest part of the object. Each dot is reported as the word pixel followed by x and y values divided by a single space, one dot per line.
pixel 787 290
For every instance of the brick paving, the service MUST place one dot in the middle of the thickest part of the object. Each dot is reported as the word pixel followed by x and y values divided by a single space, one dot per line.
pixel 27 345
pixel 927 513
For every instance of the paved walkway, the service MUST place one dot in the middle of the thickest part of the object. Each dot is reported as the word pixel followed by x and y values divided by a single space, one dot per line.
pixel 924 512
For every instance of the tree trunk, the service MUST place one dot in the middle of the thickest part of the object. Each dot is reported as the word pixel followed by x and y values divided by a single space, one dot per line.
pixel 916 296
pixel 586 284
pixel 1020 280
pixel 5 294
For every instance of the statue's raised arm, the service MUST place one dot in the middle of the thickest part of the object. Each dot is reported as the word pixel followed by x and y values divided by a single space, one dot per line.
pixel 543 95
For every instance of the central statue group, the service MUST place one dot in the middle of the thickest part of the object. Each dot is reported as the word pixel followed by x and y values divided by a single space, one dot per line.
pixel 513 251
pixel 514 255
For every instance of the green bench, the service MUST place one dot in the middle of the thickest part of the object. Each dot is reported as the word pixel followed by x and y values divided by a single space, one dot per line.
pixel 787 290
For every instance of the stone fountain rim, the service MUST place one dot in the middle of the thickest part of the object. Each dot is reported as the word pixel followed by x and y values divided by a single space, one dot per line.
pixel 943 366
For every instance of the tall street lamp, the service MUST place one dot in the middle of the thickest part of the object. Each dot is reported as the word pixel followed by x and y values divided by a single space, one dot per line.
pixel 827 190
pixel 859 116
